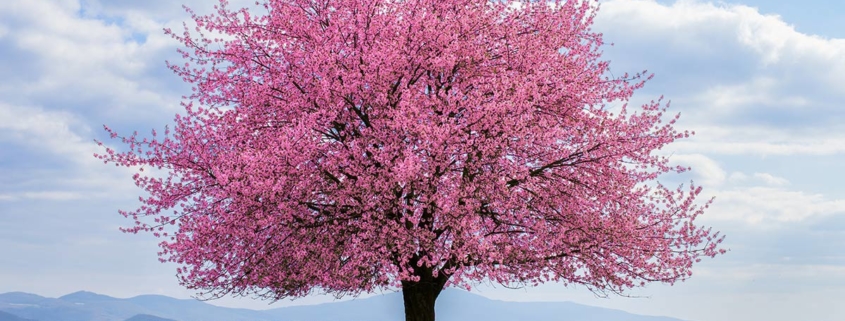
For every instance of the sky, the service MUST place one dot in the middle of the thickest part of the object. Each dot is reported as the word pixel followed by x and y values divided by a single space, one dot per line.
pixel 762 83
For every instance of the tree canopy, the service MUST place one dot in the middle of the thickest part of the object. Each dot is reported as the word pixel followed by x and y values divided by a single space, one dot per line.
pixel 353 145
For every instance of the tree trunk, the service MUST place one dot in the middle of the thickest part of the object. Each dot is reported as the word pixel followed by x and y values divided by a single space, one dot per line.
pixel 419 299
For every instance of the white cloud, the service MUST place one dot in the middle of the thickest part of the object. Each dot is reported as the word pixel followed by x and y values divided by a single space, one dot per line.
pixel 765 206
pixel 707 171
pixel 693 23
pixel 57 195
pixel 49 130
pixel 771 179
pixel 758 140
pixel 72 73
pixel 737 177
pixel 758 91
pixel 87 63
pixel 747 83
pixel 768 179
pixel 56 134
pixel 768 270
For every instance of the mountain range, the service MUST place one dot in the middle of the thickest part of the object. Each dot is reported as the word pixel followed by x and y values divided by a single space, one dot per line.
pixel 452 305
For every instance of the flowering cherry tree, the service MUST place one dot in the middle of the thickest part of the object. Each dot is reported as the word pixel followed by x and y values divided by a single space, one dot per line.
pixel 346 146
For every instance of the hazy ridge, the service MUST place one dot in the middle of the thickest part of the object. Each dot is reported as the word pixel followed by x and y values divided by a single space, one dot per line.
pixel 453 305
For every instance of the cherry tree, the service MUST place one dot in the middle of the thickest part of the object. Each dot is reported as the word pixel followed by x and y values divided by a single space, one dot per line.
pixel 350 146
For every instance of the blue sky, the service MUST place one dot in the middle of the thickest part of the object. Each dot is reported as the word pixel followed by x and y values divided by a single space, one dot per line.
pixel 761 83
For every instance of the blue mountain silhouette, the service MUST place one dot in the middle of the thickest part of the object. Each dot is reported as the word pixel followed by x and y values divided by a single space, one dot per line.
pixel 452 305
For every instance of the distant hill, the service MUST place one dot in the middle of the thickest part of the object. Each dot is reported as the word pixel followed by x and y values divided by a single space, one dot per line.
pixel 456 305
pixel 85 296
pixel 452 305
pixel 147 317
pixel 11 317
pixel 39 308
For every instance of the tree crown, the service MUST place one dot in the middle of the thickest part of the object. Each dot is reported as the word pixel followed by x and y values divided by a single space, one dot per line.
pixel 350 145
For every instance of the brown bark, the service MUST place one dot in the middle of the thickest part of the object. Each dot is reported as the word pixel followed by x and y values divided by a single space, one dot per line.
pixel 420 296
pixel 419 300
